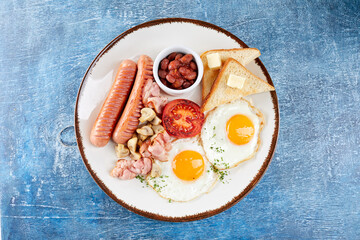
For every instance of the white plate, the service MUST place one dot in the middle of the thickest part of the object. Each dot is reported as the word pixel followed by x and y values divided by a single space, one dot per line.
pixel 150 38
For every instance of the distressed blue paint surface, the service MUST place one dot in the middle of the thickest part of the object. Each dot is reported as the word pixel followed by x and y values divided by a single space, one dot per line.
pixel 312 187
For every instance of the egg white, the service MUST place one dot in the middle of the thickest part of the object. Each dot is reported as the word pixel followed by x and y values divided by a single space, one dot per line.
pixel 220 151
pixel 169 186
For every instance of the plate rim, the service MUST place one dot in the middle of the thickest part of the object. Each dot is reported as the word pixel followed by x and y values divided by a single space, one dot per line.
pixel 201 215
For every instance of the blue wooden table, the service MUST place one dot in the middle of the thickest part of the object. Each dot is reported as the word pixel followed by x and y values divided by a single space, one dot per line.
pixel 312 52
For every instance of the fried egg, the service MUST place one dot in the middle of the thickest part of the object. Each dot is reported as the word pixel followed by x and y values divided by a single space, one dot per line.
pixel 231 133
pixel 187 174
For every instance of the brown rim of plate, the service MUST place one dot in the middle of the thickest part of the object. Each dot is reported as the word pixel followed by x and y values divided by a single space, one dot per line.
pixel 202 215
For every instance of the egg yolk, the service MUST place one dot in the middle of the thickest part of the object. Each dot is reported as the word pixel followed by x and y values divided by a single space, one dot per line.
pixel 240 129
pixel 188 165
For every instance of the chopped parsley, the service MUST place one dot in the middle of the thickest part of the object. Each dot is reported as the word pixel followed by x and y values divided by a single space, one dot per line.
pixel 158 185
pixel 219 150
pixel 216 149
pixel 214 132
pixel 222 174
pixel 221 162
pixel 142 180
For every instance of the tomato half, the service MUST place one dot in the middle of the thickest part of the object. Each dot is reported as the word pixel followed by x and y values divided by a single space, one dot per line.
pixel 182 118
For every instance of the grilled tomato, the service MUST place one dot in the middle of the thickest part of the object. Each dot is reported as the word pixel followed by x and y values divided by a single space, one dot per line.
pixel 182 118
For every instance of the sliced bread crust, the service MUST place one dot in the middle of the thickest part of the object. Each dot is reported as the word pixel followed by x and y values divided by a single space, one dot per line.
pixel 220 93
pixel 242 55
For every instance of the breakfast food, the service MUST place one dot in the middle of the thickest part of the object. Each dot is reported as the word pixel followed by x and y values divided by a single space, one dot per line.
pixel 141 159
pixel 129 119
pixel 182 118
pixel 231 133
pixel 178 71
pixel 180 148
pixel 128 169
pixel 152 98
pixel 114 103
pixel 214 60
pixel 242 55
pixel 186 175
pixel 221 93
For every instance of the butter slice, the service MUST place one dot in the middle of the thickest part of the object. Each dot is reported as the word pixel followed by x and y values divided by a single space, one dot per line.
pixel 214 60
pixel 235 81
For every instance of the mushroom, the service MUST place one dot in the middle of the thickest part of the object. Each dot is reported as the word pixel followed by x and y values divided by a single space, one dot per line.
pixel 142 138
pixel 132 144
pixel 140 142
pixel 153 137
pixel 145 130
pixel 135 155
pixel 147 114
pixel 155 170
pixel 157 128
pixel 156 121
pixel 121 151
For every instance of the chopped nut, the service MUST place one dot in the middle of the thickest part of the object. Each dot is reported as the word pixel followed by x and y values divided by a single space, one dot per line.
pixel 147 114
pixel 156 121
pixel 158 128
pixel 121 151
pixel 155 170
pixel 145 130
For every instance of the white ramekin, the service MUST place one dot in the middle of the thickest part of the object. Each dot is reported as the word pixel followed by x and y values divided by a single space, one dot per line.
pixel 181 49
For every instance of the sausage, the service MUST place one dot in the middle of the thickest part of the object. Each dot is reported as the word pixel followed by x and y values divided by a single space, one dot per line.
pixel 114 104
pixel 129 119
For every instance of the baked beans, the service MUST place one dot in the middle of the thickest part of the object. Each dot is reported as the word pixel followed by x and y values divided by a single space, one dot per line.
pixel 178 70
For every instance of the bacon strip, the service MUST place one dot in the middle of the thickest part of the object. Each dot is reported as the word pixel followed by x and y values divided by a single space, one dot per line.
pixel 151 97
pixel 160 146
pixel 122 170
pixel 128 169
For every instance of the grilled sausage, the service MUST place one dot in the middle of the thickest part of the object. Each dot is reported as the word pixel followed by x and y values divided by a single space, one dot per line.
pixel 129 119
pixel 114 104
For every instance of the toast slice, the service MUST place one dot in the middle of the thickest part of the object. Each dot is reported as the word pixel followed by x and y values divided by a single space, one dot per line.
pixel 242 55
pixel 220 93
